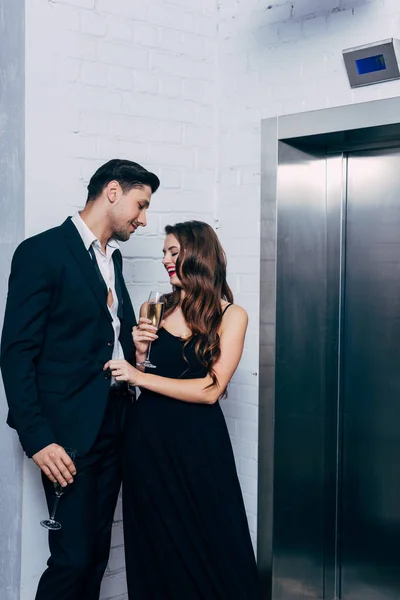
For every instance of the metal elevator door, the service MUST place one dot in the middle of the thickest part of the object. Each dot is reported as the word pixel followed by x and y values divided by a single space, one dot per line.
pixel 370 390
pixel 337 402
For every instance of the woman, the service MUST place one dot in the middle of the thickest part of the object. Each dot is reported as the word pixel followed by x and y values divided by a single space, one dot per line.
pixel 186 532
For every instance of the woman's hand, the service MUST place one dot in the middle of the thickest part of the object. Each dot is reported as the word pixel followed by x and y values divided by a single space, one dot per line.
pixel 121 370
pixel 142 335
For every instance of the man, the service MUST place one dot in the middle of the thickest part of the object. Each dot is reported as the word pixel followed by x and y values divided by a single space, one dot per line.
pixel 68 313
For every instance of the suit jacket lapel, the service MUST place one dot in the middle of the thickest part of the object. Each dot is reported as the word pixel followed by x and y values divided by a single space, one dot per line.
pixel 84 261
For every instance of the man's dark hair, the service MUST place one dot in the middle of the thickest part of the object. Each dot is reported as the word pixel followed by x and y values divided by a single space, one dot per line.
pixel 128 174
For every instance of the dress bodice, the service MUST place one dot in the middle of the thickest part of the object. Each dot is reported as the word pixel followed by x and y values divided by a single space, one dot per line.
pixel 174 359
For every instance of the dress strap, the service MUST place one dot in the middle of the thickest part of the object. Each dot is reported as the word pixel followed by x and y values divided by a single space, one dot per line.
pixel 225 309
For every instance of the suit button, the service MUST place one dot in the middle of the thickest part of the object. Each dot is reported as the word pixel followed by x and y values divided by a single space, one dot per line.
pixel 107 374
pixel 110 343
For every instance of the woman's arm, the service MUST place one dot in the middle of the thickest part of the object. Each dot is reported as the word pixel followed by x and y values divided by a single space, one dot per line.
pixel 233 331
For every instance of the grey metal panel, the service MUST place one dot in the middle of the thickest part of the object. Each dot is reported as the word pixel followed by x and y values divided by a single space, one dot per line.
pixel 341 118
pixel 335 255
pixel 302 327
pixel 269 157
pixel 370 529
pixel 11 232
pixel 384 136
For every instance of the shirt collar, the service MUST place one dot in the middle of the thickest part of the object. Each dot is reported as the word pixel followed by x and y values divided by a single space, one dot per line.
pixel 87 234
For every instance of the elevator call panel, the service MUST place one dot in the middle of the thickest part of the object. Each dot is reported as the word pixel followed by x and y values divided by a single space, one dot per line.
pixel 373 63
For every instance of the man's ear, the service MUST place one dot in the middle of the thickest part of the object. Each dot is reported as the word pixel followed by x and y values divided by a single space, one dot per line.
pixel 112 190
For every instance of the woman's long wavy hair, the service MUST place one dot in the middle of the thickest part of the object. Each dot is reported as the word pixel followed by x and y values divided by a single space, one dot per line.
pixel 201 268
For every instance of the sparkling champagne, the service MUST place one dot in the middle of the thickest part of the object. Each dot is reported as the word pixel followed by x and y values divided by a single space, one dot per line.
pixel 155 312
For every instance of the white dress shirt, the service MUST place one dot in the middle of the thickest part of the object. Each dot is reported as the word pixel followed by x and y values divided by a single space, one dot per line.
pixel 106 266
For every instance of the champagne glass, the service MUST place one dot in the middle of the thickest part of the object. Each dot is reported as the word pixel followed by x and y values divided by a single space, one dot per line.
pixel 59 490
pixel 155 311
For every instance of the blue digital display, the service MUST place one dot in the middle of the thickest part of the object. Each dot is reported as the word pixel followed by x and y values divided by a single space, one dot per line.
pixel 371 64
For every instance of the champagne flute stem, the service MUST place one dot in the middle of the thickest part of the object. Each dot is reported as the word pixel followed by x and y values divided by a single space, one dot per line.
pixel 148 352
pixel 53 512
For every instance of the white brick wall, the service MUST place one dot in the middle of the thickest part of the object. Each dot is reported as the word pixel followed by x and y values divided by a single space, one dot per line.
pixel 160 83
pixel 116 78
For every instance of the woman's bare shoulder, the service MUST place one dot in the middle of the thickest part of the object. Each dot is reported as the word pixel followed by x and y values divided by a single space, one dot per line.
pixel 234 313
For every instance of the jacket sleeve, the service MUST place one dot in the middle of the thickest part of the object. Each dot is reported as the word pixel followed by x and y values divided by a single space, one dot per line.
pixel 28 302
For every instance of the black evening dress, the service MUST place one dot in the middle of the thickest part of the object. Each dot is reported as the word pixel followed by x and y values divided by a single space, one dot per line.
pixel 185 526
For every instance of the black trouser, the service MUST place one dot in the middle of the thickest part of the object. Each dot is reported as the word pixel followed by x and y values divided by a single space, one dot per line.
pixel 80 549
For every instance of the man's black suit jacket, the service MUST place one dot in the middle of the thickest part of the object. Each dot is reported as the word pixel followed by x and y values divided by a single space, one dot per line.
pixel 57 336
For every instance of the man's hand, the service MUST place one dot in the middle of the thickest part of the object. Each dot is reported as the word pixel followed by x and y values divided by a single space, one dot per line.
pixel 56 464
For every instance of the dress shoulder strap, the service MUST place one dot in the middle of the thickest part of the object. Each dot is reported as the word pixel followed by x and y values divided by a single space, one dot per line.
pixel 225 309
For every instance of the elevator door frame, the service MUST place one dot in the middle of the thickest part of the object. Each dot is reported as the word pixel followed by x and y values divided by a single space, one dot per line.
pixel 322 133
